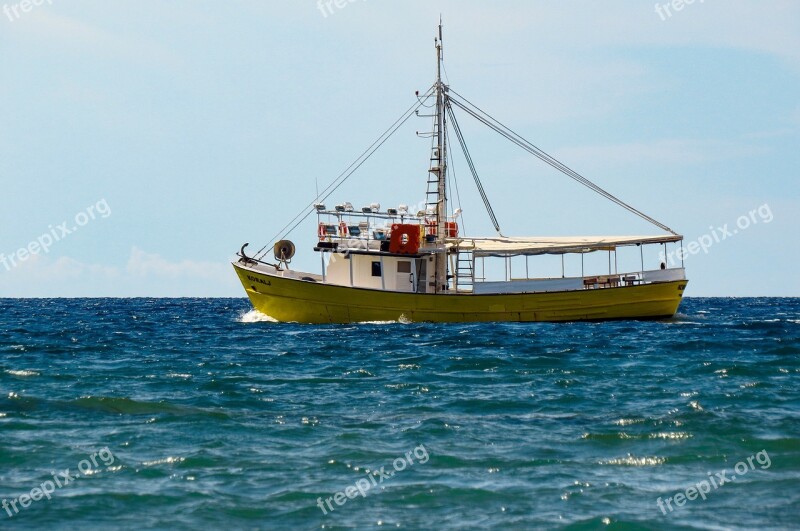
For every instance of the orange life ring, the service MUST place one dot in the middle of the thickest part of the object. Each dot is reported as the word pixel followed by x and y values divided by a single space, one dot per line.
pixel 343 229
pixel 404 239
pixel 322 231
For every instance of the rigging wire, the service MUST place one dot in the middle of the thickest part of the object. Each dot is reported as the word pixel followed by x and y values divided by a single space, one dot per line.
pixel 472 169
pixel 422 99
pixel 482 116
pixel 454 179
pixel 338 181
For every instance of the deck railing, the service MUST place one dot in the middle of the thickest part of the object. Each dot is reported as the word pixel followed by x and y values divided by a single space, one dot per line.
pixel 541 285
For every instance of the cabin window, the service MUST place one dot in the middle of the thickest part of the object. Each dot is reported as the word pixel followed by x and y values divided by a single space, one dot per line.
pixel 404 267
pixel 376 269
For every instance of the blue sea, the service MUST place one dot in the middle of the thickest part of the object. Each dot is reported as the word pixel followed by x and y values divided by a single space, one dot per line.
pixel 202 414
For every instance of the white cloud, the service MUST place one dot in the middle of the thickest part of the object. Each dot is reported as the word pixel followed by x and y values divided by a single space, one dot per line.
pixel 145 274
pixel 60 268
pixel 142 264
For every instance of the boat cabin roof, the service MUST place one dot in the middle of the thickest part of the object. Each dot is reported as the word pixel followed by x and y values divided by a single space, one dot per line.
pixel 552 244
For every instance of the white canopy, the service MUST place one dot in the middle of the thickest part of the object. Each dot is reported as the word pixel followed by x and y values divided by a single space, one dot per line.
pixel 551 245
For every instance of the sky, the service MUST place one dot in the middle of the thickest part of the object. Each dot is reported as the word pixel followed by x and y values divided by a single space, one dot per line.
pixel 142 143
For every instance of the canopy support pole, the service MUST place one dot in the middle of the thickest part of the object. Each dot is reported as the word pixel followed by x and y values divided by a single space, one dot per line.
pixel 641 255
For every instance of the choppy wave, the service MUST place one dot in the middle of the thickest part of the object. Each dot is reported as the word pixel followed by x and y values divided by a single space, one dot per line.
pixel 254 316
pixel 22 373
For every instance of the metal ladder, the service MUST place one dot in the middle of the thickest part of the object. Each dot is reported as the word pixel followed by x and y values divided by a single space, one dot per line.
pixel 465 272
pixel 432 194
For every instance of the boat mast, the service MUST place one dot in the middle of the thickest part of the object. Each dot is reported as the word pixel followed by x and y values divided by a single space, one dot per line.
pixel 441 192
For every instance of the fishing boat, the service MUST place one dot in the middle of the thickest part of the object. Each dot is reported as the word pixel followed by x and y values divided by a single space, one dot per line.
pixel 414 263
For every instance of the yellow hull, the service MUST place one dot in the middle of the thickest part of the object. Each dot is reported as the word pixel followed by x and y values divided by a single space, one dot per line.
pixel 291 300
